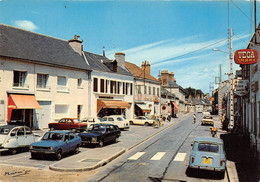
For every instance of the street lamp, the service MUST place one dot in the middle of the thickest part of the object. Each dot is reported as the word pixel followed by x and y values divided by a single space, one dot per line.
pixel 231 119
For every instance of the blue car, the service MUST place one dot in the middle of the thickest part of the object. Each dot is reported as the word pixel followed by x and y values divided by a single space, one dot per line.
pixel 208 153
pixel 56 143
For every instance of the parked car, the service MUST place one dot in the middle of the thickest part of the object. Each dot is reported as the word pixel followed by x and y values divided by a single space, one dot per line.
pixel 208 153
pixel 142 120
pixel 13 137
pixel 100 134
pixel 207 120
pixel 68 124
pixel 56 143
pixel 93 120
pixel 117 120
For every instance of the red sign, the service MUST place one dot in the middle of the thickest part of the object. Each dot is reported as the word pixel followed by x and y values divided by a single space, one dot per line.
pixel 246 56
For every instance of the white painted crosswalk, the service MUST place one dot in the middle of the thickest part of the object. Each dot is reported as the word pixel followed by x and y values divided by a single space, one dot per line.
pixel 158 156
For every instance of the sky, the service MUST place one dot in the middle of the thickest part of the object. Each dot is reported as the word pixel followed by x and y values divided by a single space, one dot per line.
pixel 174 35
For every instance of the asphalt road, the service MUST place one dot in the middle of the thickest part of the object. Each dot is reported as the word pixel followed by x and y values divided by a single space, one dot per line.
pixel 162 158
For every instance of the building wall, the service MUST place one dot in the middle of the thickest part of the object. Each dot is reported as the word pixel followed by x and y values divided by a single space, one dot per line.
pixel 124 97
pixel 70 96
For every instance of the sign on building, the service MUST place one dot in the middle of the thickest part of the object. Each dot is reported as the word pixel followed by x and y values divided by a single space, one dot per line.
pixel 246 56
pixel 241 87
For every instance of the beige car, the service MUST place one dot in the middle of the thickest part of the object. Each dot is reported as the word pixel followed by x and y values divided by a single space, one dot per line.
pixel 142 120
pixel 207 120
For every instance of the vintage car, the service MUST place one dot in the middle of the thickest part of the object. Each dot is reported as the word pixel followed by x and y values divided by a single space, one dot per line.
pixel 100 134
pixel 14 137
pixel 68 124
pixel 142 120
pixel 208 154
pixel 117 120
pixel 56 143
pixel 207 120
pixel 93 120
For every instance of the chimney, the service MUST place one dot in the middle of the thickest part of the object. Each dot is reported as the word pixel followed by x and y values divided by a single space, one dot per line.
pixel 146 66
pixel 165 77
pixel 120 58
pixel 76 44
pixel 171 76
pixel 104 54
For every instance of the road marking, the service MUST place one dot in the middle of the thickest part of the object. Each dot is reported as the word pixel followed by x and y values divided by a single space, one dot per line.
pixel 158 156
pixel 136 156
pixel 180 157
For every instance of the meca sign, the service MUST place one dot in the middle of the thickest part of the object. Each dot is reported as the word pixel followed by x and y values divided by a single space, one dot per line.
pixel 246 56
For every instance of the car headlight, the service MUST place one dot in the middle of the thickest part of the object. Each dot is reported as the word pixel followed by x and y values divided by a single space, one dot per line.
pixel 94 139
pixel 51 148
pixel 30 147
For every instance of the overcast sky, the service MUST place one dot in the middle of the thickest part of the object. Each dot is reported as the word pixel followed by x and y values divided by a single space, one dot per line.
pixel 177 36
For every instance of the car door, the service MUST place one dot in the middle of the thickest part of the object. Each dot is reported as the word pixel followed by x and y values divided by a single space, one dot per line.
pixel 30 138
pixel 72 141
pixel 66 147
pixel 139 120
pixel 108 134
pixel 21 137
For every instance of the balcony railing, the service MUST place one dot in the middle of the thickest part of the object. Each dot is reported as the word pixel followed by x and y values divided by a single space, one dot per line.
pixel 43 87
pixel 63 89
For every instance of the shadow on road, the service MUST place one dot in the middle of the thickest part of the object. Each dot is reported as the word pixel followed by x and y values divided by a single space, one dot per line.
pixel 247 162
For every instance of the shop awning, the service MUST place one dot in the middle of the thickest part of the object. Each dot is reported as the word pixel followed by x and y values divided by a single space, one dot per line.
pixel 175 105
pixel 117 104
pixel 144 108
pixel 16 101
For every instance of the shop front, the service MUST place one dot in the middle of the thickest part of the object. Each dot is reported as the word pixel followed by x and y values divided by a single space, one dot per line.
pixel 142 109
pixel 174 109
pixel 21 109
pixel 111 107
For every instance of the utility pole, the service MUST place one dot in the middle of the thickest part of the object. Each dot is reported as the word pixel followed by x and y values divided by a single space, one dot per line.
pixel 231 119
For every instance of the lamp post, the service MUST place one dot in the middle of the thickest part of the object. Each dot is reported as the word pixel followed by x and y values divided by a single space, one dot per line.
pixel 231 108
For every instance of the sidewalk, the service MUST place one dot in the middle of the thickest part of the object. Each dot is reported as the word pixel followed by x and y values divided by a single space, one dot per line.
pixel 96 157
pixel 230 167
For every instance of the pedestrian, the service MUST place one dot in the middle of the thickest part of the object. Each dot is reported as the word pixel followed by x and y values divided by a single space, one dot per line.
pixel 194 118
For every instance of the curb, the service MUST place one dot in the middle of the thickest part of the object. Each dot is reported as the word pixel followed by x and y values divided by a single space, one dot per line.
pixel 99 164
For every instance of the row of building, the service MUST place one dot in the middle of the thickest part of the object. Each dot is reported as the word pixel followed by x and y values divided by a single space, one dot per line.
pixel 43 79
pixel 246 98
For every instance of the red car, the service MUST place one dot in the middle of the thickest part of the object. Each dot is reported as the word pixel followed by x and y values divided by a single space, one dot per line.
pixel 68 124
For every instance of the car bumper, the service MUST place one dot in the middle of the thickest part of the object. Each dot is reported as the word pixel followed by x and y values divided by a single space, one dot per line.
pixel 209 168
pixel 207 122
pixel 89 142
pixel 35 151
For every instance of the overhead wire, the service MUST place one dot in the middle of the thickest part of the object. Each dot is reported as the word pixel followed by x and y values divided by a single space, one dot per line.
pixel 240 38
pixel 240 9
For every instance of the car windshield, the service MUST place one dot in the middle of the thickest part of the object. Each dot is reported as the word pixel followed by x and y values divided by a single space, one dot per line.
pixel 207 117
pixel 101 119
pixel 4 131
pixel 208 147
pixel 119 119
pixel 97 128
pixel 53 136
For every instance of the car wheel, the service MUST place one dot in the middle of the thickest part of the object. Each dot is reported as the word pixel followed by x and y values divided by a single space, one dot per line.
pixel 131 122
pixel 76 149
pixel 116 139
pixel 101 143
pixel 13 151
pixel 51 128
pixel 146 124
pixel 59 155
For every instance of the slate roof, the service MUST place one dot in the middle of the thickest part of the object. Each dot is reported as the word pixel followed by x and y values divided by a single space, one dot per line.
pixel 102 63
pixel 25 45
pixel 138 72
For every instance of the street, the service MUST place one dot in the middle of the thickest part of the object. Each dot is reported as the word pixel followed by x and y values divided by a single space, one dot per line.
pixel 163 157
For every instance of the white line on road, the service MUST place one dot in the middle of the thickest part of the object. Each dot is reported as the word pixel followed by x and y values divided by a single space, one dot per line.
pixel 158 156
pixel 136 156
pixel 180 157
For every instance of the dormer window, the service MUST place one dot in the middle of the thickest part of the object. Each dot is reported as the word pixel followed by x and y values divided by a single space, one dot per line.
pixel 114 66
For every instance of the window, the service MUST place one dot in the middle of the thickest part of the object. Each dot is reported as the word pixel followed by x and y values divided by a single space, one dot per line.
pixel 150 90
pixel 102 85
pixel 118 87
pixel 62 81
pixel 158 92
pixel 139 89
pixel 112 87
pixel 19 78
pixel 131 89
pixel 79 82
pixel 107 83
pixel 126 88
pixel 153 90
pixel 95 86
pixel 145 89
pixel 42 80
pixel 208 147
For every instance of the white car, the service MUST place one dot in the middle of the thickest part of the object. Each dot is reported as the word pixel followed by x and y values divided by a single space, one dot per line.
pixel 142 120
pixel 13 137
pixel 117 120
pixel 94 120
